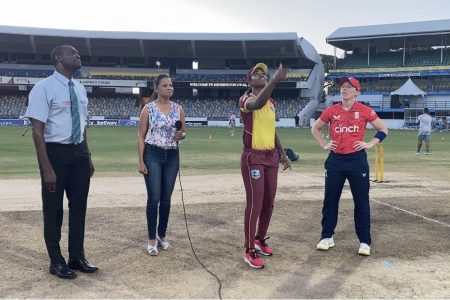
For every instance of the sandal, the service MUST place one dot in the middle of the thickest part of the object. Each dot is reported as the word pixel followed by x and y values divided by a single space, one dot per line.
pixel 163 244
pixel 152 250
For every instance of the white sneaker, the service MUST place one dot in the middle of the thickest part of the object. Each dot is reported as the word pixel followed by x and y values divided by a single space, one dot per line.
pixel 364 249
pixel 163 244
pixel 152 250
pixel 325 244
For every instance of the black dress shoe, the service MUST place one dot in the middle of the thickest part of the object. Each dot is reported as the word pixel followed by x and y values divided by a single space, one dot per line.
pixel 62 271
pixel 83 265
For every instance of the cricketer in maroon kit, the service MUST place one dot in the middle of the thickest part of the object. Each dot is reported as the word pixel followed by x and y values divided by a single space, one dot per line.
pixel 259 160
pixel 347 161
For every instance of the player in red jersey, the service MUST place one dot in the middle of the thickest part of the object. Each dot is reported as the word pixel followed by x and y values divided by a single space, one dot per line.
pixel 347 161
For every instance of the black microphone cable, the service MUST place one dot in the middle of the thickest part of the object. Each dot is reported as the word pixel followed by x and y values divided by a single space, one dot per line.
pixel 190 241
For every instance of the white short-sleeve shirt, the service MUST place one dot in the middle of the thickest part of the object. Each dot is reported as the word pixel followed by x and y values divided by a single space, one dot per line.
pixel 425 124
pixel 49 102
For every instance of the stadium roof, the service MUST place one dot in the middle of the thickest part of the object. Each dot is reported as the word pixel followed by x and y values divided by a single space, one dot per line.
pixel 147 35
pixel 421 33
pixel 150 44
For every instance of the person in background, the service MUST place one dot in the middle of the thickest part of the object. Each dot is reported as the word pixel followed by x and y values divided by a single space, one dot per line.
pixel 347 160
pixel 439 124
pixel 58 113
pixel 297 120
pixel 26 124
pixel 259 160
pixel 145 98
pixel 231 122
pixel 425 122
pixel 159 158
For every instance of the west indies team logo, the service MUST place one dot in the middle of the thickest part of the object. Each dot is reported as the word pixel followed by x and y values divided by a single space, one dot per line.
pixel 255 174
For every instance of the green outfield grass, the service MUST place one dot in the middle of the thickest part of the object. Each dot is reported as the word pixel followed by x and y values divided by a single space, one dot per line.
pixel 114 152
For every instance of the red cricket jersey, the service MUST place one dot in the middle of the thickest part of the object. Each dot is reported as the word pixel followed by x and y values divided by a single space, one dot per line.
pixel 348 126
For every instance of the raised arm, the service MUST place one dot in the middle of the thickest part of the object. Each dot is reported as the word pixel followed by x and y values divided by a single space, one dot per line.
pixel 261 100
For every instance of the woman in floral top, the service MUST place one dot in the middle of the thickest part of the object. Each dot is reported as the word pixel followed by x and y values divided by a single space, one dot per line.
pixel 159 158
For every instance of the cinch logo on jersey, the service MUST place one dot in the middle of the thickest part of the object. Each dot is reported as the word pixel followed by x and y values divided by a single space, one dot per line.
pixel 342 129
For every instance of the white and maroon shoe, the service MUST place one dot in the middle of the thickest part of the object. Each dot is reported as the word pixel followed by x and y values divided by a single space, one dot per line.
pixel 263 248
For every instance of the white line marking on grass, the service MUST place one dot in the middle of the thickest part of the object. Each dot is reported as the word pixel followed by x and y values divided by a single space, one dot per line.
pixel 411 213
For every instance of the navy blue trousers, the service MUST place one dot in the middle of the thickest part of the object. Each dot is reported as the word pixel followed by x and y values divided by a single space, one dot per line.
pixel 354 168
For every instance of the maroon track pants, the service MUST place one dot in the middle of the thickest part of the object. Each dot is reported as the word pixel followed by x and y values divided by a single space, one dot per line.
pixel 260 173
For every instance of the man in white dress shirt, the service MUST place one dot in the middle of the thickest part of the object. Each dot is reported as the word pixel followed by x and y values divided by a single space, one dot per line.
pixel 58 112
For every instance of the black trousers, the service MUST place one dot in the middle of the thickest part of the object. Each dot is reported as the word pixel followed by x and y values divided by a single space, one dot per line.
pixel 354 168
pixel 71 166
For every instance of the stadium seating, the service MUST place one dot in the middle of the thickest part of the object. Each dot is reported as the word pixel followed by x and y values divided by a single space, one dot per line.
pixel 395 60
pixel 141 74
pixel 113 107
pixel 380 60
pixel 427 58
pixel 386 86
pixel 214 108
pixel 12 104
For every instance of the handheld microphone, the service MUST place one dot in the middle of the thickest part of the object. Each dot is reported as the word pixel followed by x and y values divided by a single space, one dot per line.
pixel 178 124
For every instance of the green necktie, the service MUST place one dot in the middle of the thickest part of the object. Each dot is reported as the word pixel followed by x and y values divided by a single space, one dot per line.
pixel 76 126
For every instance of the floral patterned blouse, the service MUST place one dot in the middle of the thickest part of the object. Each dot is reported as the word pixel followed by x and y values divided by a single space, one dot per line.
pixel 161 128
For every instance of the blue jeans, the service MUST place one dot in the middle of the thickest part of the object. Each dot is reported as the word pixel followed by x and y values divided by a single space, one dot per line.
pixel 354 168
pixel 162 166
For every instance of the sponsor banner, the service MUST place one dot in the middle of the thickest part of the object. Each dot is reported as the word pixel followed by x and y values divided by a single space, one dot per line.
pixel 193 122
pixel 196 119
pixel 226 85
pixel 26 80
pixel 403 74
pixel 114 122
pixel 107 122
pixel 134 122
pixel 128 123
pixel 115 83
pixel 11 122
pixel 86 82
pixel 196 123
pixel 6 80
pixel 218 84
pixel 96 118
